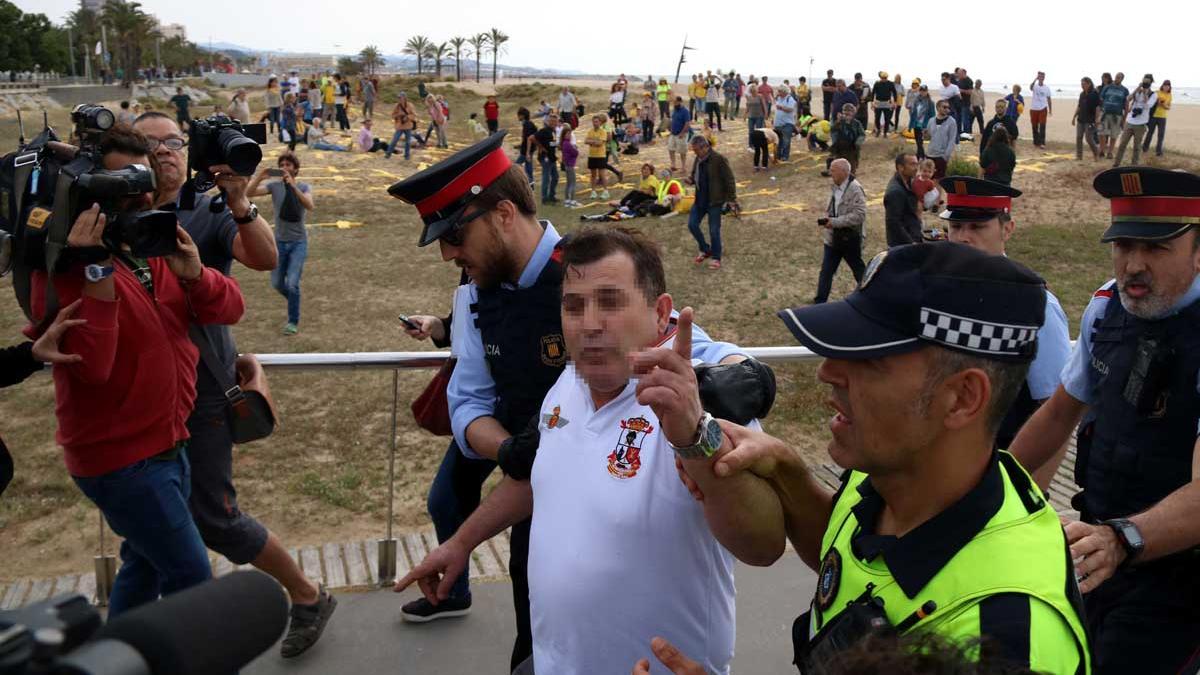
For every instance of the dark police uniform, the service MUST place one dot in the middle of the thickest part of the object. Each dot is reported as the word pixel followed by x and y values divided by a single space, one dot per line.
pixel 1137 443
pixel 977 200
pixel 994 565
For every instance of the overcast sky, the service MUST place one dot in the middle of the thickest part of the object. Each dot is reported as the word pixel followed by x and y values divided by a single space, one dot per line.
pixel 1000 42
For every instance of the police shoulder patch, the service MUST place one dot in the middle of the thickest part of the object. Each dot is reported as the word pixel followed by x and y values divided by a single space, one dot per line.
pixel 829 578
pixel 554 350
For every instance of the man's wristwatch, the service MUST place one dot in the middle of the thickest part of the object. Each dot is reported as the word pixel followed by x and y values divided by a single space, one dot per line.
pixel 250 216
pixel 709 438
pixel 1130 537
pixel 96 273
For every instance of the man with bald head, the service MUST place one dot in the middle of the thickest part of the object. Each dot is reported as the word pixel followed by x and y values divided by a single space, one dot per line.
pixel 843 228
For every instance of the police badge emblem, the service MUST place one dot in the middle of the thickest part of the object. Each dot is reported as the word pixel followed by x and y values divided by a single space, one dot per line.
pixel 828 579
pixel 554 350
pixel 872 268
pixel 626 459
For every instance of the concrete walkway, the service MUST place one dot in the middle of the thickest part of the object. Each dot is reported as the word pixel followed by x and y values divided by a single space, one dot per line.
pixel 366 635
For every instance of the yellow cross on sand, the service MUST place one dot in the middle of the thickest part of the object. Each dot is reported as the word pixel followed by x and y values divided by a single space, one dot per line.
pixel 779 207
pixel 1039 167
pixel 340 224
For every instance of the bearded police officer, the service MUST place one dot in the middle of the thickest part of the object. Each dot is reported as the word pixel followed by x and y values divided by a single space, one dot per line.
pixel 979 214
pixel 1133 378
pixel 506 328
pixel 933 528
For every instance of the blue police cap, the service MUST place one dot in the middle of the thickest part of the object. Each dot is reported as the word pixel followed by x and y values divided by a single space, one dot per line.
pixel 913 296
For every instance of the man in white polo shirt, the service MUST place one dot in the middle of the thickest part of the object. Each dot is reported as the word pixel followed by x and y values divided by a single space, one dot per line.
pixel 619 550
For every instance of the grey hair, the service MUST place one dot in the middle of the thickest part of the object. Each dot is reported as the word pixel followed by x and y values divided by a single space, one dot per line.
pixel 699 140
pixel 842 162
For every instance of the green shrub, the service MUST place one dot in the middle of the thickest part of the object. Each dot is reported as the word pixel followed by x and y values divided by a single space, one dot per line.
pixel 962 165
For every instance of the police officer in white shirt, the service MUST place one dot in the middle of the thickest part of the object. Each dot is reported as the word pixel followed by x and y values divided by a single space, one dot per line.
pixel 619 551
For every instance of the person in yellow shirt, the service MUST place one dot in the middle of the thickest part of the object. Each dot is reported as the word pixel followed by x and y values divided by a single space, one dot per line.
pixel 328 110
pixel 597 142
pixel 696 93
pixel 1158 120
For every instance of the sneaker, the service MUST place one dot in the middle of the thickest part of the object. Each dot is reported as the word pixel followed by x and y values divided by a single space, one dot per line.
pixel 700 258
pixel 604 195
pixel 714 265
pixel 423 611
pixel 592 194
pixel 290 329
pixel 307 624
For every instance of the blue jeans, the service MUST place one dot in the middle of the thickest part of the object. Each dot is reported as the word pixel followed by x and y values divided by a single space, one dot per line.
pixel 714 228
pixel 407 134
pixel 453 497
pixel 549 179
pixel 785 140
pixel 147 504
pixel 528 162
pixel 285 278
pixel 753 123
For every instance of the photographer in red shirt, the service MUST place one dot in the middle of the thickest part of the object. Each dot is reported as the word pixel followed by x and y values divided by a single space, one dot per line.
pixel 123 406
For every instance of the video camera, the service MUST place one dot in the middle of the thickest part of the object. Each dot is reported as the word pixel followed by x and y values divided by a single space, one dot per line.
pixel 211 629
pixel 43 189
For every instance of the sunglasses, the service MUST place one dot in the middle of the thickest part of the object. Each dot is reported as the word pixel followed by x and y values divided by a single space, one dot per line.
pixel 172 143
pixel 457 234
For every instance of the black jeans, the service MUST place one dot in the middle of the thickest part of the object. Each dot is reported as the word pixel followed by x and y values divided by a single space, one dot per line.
pixel 1145 619
pixel 827 103
pixel 919 136
pixel 647 130
pixel 1159 123
pixel 758 141
pixel 712 109
pixel 829 264
pixel 883 120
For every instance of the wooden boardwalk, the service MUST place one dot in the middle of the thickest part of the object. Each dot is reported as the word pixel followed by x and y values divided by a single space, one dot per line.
pixel 353 564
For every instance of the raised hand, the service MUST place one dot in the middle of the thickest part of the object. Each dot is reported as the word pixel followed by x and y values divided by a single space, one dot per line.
pixel 667 383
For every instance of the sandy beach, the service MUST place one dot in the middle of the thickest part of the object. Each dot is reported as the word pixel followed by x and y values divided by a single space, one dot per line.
pixel 1183 124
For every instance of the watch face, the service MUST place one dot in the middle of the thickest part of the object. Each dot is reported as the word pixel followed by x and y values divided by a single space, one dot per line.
pixel 712 435
pixel 1132 535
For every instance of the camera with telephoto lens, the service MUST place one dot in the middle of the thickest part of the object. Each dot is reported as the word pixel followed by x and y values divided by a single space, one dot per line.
pixel 45 185
pixel 220 140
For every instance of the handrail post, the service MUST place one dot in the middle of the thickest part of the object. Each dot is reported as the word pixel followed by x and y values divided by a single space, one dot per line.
pixel 105 567
pixel 388 546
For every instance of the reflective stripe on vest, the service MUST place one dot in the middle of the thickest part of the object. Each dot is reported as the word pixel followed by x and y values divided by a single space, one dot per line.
pixel 1020 550
pixel 664 188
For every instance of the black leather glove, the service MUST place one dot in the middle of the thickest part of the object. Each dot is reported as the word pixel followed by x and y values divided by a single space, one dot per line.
pixel 738 392
pixel 516 453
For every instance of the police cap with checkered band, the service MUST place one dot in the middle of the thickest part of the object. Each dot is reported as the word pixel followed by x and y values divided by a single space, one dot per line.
pixel 944 294
pixel 1149 204
pixel 442 192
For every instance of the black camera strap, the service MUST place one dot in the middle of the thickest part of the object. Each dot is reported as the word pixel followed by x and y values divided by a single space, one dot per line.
pixel 208 356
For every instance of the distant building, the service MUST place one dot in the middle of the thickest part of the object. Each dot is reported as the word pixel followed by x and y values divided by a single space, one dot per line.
pixel 173 30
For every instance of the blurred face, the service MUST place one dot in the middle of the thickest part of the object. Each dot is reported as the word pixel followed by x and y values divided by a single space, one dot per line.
pixel 1120 78
pixel 288 166
pixel 909 168
pixel 595 122
pixel 646 172
pixel 988 236
pixel 701 150
pixel 1001 107
pixel 170 166
pixel 481 252
pixel 1153 275
pixel 606 317
pixel 877 424
pixel 943 108
pixel 120 160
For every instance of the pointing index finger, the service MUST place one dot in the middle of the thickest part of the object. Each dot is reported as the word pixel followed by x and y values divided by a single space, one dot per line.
pixel 683 333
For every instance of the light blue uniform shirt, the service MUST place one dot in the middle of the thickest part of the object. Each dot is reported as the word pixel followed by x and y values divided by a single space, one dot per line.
pixel 1079 378
pixel 1054 348
pixel 472 391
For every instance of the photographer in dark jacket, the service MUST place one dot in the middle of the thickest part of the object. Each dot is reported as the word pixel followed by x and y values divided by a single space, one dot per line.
pixel 235 232
pixel 902 213
pixel 18 362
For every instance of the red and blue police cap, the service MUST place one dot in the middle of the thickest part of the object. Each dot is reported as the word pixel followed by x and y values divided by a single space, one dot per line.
pixel 944 294
pixel 442 192
pixel 1149 204
pixel 975 199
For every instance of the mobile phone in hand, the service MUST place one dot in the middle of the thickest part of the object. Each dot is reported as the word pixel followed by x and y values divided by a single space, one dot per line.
pixel 275 172
pixel 822 221
pixel 408 322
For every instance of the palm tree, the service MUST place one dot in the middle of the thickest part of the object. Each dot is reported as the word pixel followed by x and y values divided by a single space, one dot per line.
pixel 85 25
pixel 457 43
pixel 496 40
pixel 370 59
pixel 438 53
pixel 479 43
pixel 418 46
pixel 132 29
